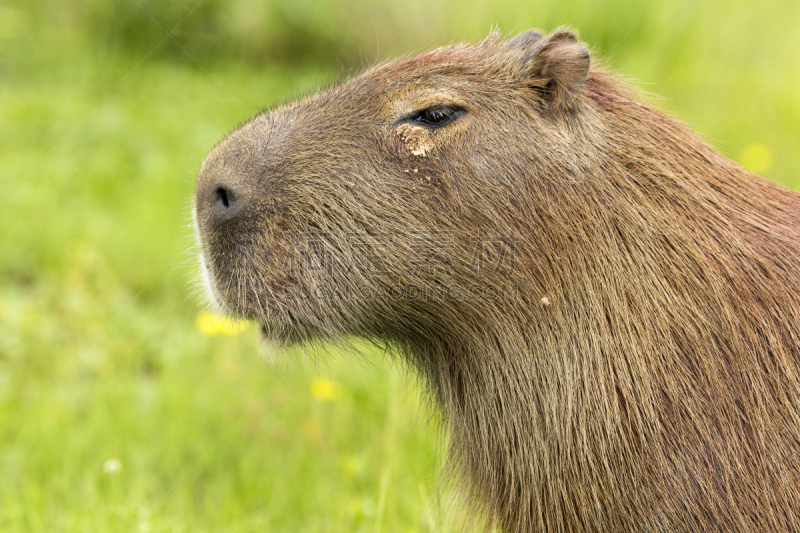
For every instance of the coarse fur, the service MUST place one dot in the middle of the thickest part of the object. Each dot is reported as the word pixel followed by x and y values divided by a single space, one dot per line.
pixel 636 363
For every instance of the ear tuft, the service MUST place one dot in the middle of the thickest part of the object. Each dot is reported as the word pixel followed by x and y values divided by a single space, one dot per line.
pixel 558 66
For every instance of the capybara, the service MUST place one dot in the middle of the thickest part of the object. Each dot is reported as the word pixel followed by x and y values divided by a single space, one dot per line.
pixel 605 309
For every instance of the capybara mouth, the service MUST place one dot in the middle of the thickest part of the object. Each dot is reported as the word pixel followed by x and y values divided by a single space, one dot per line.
pixel 286 329
pixel 241 292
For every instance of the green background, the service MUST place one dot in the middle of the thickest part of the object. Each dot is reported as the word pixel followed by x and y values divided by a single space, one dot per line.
pixel 117 412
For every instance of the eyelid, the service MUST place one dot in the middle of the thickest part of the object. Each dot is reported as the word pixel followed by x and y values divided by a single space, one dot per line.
pixel 455 111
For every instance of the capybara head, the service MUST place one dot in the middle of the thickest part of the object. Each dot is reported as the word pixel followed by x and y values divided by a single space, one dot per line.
pixel 335 215
pixel 605 308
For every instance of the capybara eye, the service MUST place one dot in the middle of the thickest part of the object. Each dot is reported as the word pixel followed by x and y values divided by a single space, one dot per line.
pixel 437 116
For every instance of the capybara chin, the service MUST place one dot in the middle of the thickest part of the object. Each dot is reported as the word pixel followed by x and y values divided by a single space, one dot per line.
pixel 606 309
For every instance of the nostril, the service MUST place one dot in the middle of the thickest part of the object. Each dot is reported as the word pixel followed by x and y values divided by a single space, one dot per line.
pixel 226 202
pixel 221 197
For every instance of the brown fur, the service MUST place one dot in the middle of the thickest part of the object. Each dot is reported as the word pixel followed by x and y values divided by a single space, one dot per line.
pixel 642 373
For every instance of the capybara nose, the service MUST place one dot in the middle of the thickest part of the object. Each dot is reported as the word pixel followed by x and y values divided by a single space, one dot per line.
pixel 226 202
pixel 221 196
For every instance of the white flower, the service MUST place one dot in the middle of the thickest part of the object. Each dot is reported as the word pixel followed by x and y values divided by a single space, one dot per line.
pixel 112 466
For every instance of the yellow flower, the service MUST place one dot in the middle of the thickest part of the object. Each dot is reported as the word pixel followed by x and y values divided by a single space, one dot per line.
pixel 312 430
pixel 212 324
pixel 326 389
pixel 756 157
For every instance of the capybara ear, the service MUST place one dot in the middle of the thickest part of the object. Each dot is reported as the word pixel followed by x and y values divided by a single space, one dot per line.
pixel 557 65
pixel 524 40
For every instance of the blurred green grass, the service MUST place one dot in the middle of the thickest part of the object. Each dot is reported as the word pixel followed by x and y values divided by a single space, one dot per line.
pixel 117 412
